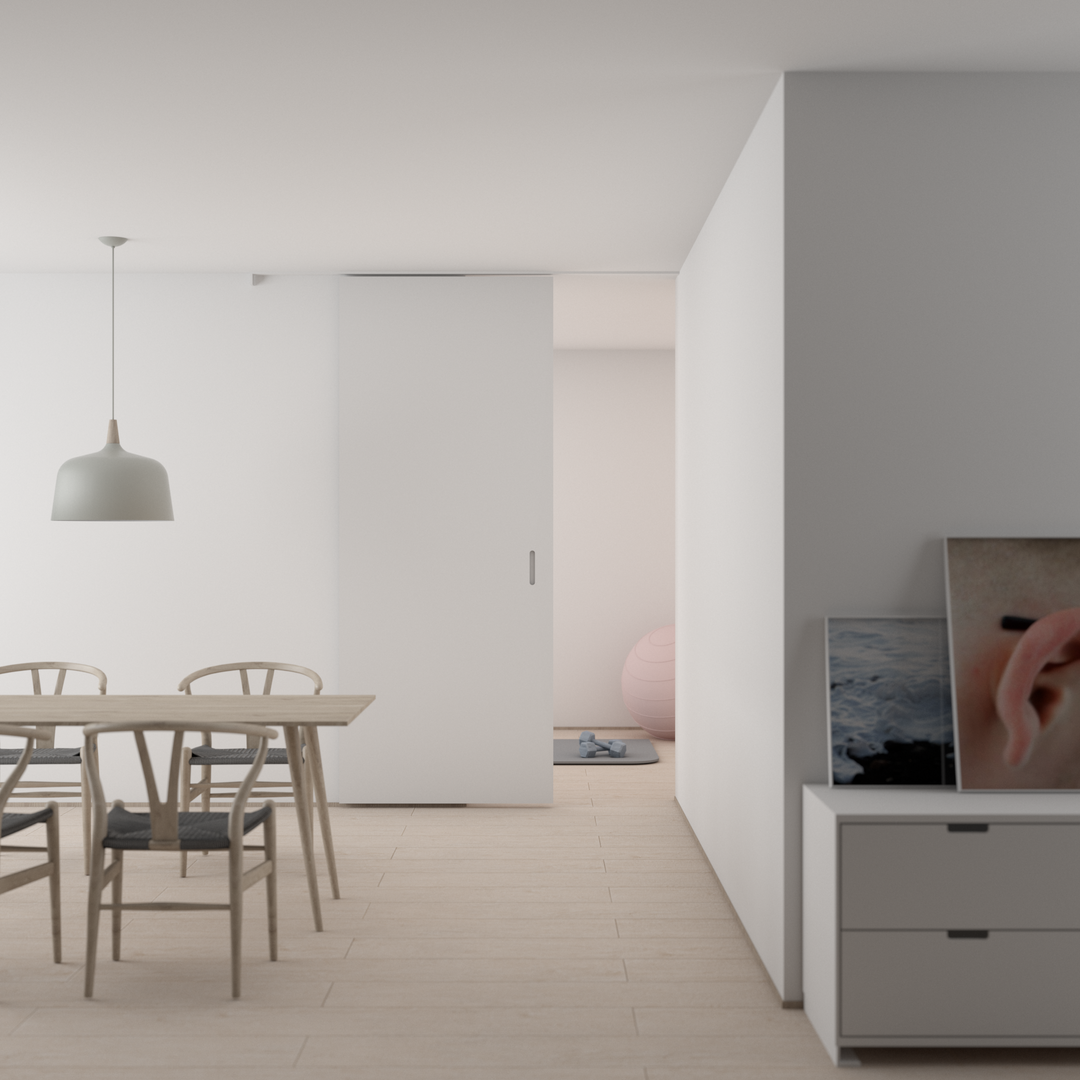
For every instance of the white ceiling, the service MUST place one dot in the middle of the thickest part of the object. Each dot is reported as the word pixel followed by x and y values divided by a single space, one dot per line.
pixel 316 136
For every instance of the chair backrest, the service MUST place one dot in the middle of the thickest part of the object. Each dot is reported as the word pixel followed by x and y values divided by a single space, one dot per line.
pixel 164 813
pixel 31 735
pixel 48 733
pixel 256 665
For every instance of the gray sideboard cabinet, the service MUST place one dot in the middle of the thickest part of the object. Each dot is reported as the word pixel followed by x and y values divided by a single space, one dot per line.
pixel 940 918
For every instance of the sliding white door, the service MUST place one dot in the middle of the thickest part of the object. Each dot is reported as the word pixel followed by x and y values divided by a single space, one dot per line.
pixel 445 489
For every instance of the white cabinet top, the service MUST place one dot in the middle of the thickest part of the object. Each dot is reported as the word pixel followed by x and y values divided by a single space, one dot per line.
pixel 858 803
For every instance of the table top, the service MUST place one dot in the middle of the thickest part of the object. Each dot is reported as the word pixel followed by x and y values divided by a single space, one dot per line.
pixel 74 710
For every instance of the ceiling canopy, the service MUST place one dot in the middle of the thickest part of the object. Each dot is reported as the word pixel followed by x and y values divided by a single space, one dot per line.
pixel 324 136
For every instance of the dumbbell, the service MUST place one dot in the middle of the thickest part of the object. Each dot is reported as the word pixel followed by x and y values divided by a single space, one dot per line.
pixel 589 737
pixel 616 748
pixel 589 745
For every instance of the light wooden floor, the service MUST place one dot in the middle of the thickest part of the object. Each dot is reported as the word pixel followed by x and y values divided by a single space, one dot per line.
pixel 589 941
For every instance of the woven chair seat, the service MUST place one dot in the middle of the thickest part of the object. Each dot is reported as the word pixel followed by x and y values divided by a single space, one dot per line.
pixel 212 755
pixel 14 823
pixel 58 755
pixel 198 830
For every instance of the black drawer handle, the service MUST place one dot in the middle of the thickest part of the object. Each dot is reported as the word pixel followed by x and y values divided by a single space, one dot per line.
pixel 967 826
pixel 980 934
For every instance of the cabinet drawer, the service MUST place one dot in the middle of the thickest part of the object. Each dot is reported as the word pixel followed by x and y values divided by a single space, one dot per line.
pixel 1005 876
pixel 924 983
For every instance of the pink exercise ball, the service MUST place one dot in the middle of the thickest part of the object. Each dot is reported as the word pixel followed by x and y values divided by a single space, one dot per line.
pixel 648 683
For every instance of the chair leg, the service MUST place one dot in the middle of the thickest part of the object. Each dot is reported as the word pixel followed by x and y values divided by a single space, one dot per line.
pixel 185 801
pixel 236 911
pixel 314 753
pixel 206 793
pixel 117 899
pixel 270 844
pixel 93 915
pixel 52 831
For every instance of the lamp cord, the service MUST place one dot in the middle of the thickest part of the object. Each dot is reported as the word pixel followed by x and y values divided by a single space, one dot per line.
pixel 113 366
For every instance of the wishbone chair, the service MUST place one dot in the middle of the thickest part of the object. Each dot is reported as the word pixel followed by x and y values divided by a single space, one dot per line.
pixel 207 756
pixel 46 752
pixel 165 828
pixel 15 823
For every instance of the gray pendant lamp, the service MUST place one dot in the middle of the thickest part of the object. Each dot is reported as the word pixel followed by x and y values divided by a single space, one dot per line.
pixel 112 485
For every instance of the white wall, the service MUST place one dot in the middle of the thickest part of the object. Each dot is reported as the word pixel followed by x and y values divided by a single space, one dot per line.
pixel 232 387
pixel 614 311
pixel 614 418
pixel 730 540
pixel 933 269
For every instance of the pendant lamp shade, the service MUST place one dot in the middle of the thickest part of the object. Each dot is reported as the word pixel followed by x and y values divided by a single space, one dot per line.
pixel 112 485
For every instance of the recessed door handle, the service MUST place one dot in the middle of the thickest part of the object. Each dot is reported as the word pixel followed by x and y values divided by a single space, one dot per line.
pixel 967 826
pixel 532 567
pixel 980 934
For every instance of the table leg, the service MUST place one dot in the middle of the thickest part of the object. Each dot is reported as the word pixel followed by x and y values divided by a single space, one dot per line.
pixel 85 793
pixel 309 787
pixel 90 747
pixel 319 786
pixel 303 818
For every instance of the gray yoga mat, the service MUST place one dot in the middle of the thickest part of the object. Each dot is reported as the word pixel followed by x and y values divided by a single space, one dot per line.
pixel 638 752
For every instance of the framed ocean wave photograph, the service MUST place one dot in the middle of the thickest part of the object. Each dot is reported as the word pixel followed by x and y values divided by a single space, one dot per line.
pixel 889 702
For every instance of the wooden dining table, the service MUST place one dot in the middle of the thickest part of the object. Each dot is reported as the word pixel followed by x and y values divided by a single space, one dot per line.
pixel 290 712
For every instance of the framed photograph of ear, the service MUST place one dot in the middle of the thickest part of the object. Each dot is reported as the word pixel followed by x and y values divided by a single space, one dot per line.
pixel 1014 629
pixel 890 715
